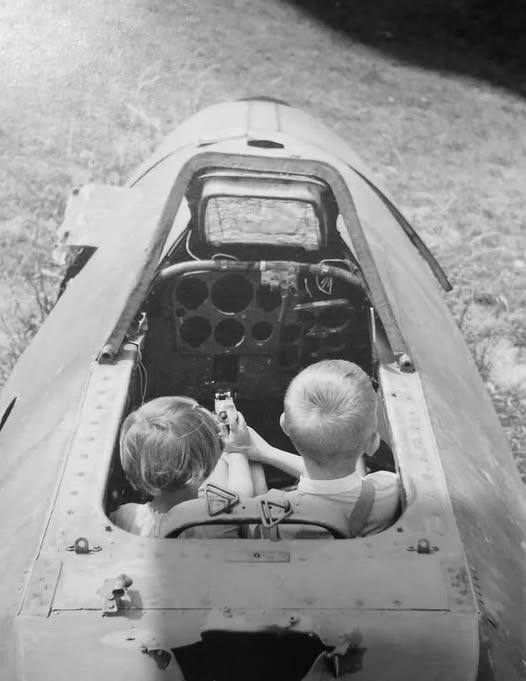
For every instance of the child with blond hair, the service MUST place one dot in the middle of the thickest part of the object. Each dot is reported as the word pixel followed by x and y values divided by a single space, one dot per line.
pixel 169 448
pixel 330 416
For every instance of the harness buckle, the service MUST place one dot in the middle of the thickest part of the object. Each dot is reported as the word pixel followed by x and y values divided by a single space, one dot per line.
pixel 272 512
pixel 219 500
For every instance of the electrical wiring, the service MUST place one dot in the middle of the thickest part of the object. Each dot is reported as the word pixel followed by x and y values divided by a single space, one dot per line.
pixel 325 285
pixel 224 255
pixel 187 246
pixel 143 383
pixel 143 373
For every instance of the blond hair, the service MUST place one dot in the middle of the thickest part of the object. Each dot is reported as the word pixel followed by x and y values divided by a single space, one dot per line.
pixel 330 410
pixel 168 443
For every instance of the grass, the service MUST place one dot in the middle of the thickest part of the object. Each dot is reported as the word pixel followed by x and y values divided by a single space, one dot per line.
pixel 28 286
pixel 448 146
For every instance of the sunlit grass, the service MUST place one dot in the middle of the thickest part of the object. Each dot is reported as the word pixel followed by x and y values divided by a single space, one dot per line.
pixel 450 150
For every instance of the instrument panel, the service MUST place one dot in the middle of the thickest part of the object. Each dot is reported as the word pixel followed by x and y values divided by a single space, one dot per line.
pixel 244 329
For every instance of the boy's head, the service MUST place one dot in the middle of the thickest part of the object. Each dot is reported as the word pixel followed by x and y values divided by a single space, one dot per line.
pixel 168 443
pixel 330 412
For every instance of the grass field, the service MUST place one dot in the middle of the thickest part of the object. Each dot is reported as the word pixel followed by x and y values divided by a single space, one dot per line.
pixel 88 94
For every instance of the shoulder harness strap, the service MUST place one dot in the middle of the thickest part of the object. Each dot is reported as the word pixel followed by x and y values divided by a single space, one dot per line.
pixel 277 507
pixel 362 509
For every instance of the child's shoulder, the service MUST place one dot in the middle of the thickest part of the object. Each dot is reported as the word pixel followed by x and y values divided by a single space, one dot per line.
pixel 130 517
pixel 387 500
pixel 384 480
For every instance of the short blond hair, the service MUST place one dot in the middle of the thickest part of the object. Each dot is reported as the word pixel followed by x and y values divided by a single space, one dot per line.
pixel 330 410
pixel 168 443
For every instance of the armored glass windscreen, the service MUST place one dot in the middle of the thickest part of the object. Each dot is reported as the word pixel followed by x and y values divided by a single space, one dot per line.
pixel 261 220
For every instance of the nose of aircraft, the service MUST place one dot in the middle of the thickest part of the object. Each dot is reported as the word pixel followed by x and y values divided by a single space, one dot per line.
pixel 219 646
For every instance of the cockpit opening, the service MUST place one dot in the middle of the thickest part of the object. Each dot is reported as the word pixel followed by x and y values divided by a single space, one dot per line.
pixel 250 332
pixel 224 320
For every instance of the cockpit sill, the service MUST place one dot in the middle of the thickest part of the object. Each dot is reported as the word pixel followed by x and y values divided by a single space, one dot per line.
pixel 183 573
pixel 181 591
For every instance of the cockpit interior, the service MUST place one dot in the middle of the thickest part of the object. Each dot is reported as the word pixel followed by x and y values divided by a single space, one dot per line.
pixel 257 303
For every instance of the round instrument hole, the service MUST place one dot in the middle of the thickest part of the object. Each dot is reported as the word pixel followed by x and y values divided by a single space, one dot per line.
pixel 229 333
pixel 232 293
pixel 334 317
pixel 195 330
pixel 307 319
pixel 191 292
pixel 288 357
pixel 262 331
pixel 335 341
pixel 290 333
pixel 311 344
pixel 332 354
pixel 267 298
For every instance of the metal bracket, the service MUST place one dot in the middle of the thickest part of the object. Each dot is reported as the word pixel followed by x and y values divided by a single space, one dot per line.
pixel 81 545
pixel 423 546
pixel 284 279
pixel 219 500
pixel 347 660
pixel 112 592
pixel 405 363
pixel 266 509
pixel 162 657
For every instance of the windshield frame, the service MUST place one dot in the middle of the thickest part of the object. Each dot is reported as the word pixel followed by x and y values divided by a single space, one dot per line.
pixel 260 186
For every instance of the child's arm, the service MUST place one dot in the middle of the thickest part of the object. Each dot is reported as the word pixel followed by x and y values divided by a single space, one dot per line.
pixel 258 478
pixel 236 448
pixel 219 476
pixel 261 451
pixel 239 477
pixel 233 472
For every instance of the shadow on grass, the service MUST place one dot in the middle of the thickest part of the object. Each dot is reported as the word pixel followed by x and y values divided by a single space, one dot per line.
pixel 483 39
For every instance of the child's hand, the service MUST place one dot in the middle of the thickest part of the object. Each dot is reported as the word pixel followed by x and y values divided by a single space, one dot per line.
pixel 238 440
pixel 258 446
